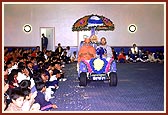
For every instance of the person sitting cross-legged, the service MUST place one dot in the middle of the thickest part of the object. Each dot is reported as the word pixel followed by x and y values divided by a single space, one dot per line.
pixel 87 51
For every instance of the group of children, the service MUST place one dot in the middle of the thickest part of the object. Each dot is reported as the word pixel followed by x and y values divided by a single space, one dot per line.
pixel 31 78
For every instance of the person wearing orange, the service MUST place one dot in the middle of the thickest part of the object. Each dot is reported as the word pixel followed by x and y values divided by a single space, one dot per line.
pixel 87 51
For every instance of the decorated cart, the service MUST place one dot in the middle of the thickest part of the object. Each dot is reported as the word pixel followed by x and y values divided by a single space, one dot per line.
pixel 97 68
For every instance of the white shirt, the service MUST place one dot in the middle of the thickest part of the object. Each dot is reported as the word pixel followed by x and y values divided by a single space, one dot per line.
pixel 45 56
pixel 133 50
pixel 53 77
pixel 13 67
pixel 68 53
pixel 22 76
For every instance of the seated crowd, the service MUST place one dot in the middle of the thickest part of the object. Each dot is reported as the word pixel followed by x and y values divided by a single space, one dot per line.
pixel 31 77
pixel 135 55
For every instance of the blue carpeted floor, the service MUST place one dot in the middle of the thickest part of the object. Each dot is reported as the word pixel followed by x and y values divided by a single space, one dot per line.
pixel 140 88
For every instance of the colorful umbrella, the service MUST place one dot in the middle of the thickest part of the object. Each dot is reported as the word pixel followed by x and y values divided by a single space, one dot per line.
pixel 93 23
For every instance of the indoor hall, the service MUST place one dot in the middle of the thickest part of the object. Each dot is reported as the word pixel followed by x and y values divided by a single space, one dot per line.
pixel 141 84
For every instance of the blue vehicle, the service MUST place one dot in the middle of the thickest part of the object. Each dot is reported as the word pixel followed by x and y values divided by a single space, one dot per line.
pixel 98 69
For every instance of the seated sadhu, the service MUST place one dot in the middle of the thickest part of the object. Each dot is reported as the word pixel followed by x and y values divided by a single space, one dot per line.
pixel 87 51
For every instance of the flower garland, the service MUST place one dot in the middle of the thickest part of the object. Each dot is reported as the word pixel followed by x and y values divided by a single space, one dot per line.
pixel 87 64
pixel 109 64
pixel 98 65
pixel 82 24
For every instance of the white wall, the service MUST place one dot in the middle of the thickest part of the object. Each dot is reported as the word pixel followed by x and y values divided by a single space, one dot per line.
pixel 148 18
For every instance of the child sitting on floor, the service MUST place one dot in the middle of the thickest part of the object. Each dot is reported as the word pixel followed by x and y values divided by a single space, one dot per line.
pixel 28 99
pixel 17 98
pixel 40 98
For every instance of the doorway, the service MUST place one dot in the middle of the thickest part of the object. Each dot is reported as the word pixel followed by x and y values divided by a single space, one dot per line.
pixel 49 32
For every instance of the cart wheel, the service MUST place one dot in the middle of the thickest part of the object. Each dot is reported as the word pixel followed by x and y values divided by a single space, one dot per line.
pixel 113 79
pixel 83 79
